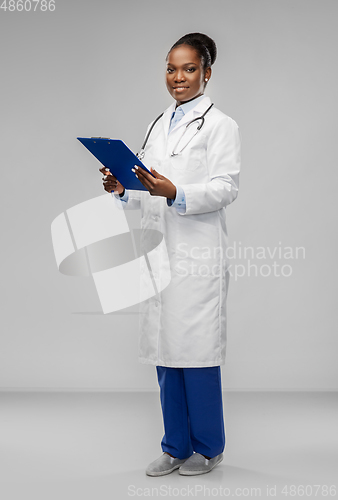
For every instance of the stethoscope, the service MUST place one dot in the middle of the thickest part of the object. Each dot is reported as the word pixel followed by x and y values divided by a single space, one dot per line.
pixel 141 153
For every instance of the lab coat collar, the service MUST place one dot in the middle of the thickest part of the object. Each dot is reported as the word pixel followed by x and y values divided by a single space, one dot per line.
pixel 199 109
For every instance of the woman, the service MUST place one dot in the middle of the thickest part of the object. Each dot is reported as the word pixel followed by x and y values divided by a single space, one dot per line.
pixel 183 328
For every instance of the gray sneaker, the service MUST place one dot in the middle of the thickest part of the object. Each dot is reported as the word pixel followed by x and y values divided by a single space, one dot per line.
pixel 165 464
pixel 198 464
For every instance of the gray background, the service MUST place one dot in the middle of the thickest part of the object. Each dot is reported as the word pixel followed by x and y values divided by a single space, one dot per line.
pixel 97 68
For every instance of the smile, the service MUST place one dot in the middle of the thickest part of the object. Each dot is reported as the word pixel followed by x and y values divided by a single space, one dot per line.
pixel 180 88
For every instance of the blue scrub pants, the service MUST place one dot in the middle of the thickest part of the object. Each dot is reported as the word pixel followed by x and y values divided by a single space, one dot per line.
pixel 192 408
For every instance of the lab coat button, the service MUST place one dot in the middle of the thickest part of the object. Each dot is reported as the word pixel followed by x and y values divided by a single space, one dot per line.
pixel 155 217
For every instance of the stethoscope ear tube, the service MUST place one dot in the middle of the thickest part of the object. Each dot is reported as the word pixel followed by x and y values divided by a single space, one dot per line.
pixel 186 127
pixel 141 153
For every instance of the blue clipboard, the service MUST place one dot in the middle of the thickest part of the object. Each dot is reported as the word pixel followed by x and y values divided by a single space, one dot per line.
pixel 115 155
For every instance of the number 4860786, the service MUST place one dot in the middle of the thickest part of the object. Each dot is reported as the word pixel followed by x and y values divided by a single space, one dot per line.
pixel 28 5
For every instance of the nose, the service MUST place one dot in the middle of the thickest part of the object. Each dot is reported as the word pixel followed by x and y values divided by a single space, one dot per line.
pixel 179 77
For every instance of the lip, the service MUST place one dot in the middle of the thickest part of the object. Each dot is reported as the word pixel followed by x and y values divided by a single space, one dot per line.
pixel 180 89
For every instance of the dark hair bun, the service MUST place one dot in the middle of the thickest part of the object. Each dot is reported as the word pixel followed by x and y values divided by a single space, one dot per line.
pixel 204 45
pixel 208 42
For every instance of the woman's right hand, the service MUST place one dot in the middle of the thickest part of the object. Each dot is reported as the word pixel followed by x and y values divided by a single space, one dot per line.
pixel 110 183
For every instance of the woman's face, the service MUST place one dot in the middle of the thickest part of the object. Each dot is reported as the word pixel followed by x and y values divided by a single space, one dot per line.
pixel 185 77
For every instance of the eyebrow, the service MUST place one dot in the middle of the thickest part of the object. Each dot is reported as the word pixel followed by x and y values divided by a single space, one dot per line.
pixel 185 64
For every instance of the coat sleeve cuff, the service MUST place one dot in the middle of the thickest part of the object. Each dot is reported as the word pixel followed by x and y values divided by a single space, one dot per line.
pixel 123 198
pixel 179 202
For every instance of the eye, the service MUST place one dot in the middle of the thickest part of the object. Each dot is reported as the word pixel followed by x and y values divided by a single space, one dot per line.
pixel 191 70
pixel 170 70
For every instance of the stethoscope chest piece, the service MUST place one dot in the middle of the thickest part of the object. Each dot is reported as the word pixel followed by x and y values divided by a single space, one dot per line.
pixel 140 155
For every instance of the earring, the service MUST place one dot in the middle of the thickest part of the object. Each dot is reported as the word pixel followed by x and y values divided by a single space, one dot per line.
pixel 206 79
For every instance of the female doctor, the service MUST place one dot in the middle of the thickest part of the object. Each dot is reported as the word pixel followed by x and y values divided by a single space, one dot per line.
pixel 193 152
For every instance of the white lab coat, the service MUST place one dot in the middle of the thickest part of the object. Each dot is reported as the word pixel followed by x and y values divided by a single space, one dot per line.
pixel 185 324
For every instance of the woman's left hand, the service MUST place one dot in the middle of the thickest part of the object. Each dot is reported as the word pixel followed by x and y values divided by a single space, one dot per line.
pixel 158 185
